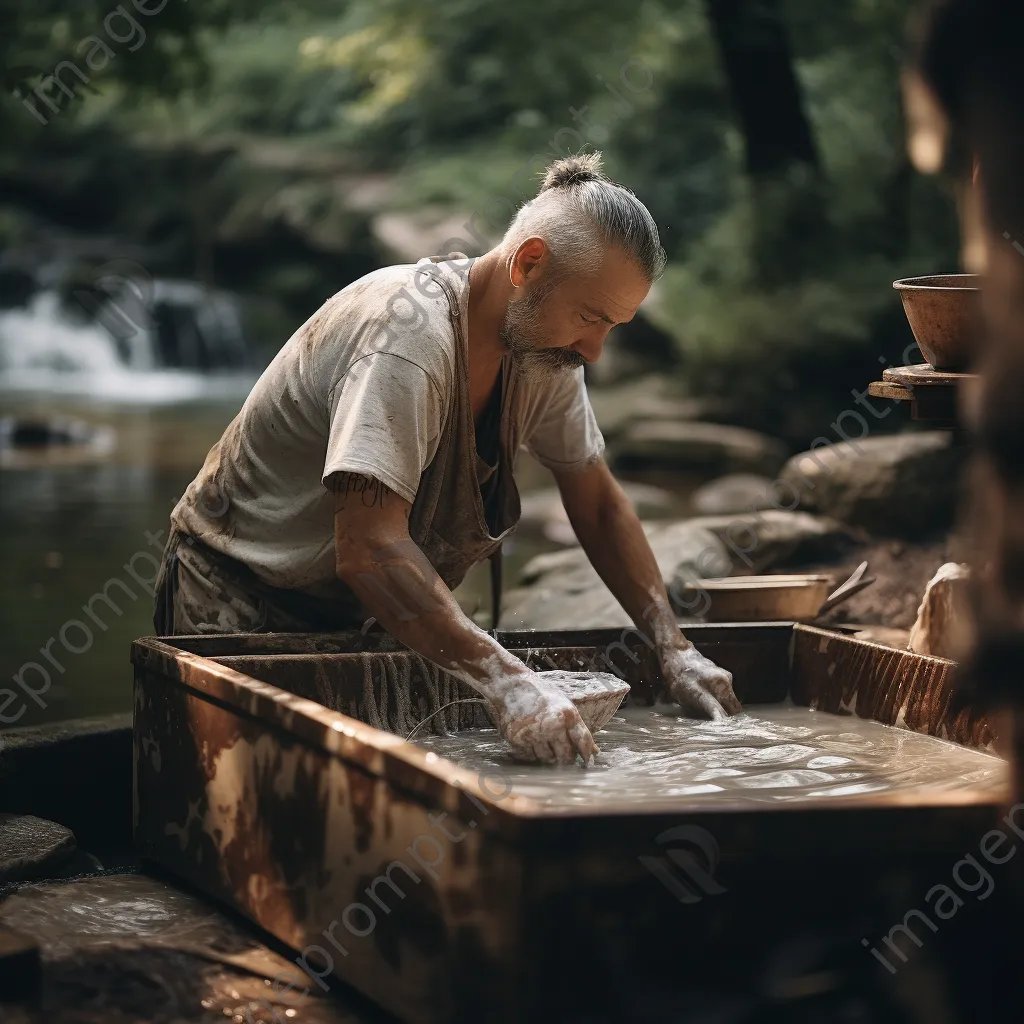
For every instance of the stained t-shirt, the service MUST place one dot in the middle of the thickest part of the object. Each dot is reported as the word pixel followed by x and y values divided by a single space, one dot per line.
pixel 363 386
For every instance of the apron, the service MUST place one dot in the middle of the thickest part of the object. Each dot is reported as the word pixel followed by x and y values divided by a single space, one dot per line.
pixel 448 520
pixel 211 592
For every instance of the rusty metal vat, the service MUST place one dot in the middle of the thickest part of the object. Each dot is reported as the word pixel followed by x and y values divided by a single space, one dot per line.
pixel 436 892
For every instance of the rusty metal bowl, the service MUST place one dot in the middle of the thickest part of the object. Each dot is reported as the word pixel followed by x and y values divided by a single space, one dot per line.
pixel 943 310
pixel 787 598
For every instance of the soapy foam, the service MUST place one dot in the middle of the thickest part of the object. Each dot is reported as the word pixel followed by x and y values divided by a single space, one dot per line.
pixel 769 754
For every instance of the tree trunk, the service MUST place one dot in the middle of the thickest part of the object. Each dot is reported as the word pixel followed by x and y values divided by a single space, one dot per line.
pixel 754 44
pixel 790 227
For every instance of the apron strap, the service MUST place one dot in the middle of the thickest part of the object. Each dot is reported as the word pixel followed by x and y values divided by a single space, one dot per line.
pixel 495 559
pixel 454 311
pixel 495 555
pixel 453 317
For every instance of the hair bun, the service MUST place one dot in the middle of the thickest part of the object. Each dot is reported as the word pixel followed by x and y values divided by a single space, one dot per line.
pixel 573 169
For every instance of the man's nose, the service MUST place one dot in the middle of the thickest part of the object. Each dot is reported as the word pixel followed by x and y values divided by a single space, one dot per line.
pixel 590 345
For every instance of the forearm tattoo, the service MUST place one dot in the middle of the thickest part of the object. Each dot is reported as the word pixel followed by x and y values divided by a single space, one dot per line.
pixel 369 490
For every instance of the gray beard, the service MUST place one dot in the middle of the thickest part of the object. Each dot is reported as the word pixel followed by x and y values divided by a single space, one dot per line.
pixel 521 333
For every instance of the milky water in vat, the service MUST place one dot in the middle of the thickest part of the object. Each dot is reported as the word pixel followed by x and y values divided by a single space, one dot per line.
pixel 772 753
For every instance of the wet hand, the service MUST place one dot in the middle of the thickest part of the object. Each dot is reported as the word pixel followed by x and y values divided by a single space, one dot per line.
pixel 697 684
pixel 540 723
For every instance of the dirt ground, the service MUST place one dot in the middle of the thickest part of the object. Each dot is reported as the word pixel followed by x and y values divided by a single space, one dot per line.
pixel 901 571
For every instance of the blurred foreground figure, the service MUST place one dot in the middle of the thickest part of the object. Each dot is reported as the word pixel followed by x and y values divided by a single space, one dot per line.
pixel 942 615
pixel 967 109
pixel 372 465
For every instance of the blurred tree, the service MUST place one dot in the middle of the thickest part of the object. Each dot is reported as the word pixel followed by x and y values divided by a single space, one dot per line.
pixel 756 52
pixel 43 42
pixel 765 135
pixel 36 36
pixel 781 155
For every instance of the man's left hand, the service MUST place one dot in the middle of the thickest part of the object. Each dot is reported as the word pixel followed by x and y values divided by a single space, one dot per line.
pixel 697 684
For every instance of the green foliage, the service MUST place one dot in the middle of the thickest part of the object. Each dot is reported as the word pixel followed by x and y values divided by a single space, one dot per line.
pixel 37 35
pixel 451 105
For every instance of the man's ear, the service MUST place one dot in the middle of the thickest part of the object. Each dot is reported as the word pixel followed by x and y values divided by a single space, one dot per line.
pixel 528 256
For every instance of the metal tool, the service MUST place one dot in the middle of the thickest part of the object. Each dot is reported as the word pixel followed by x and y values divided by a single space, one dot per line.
pixel 854 585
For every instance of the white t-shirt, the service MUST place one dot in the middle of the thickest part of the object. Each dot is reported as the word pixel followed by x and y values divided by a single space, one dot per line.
pixel 363 386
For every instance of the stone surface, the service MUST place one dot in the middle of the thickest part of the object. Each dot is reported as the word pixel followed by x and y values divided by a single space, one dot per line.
pixel 901 486
pixel 735 492
pixel 132 948
pixel 652 396
pixel 901 572
pixel 544 510
pixel 678 444
pixel 562 591
pixel 41 773
pixel 31 847
pixel 409 236
pixel 762 541
pixel 941 627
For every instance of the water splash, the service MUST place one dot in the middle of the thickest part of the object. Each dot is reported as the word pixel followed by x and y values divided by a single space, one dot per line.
pixel 402 692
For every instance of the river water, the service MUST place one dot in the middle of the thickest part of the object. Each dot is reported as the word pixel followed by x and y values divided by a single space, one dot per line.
pixel 770 754
pixel 82 525
pixel 69 525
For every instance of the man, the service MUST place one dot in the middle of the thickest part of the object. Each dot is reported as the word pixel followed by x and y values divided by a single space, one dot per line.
pixel 371 466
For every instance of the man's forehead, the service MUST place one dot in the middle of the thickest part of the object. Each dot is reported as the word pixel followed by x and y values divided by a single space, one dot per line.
pixel 615 291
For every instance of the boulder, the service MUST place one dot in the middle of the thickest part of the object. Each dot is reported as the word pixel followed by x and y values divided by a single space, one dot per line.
pixel 561 590
pixel 734 492
pixel 429 231
pixel 649 397
pixel 900 486
pixel 552 607
pixel 762 541
pixel 679 444
pixel 544 510
pixel 634 349
pixel 32 848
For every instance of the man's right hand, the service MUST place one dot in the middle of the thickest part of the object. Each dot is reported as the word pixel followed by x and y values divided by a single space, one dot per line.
pixel 540 723
pixel 392 577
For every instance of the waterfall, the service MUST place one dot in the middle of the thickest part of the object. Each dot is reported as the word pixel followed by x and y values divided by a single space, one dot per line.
pixel 177 340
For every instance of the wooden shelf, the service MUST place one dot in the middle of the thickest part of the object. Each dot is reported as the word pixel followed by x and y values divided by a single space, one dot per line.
pixel 932 393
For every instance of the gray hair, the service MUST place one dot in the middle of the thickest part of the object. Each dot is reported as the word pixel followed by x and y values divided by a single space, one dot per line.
pixel 578 211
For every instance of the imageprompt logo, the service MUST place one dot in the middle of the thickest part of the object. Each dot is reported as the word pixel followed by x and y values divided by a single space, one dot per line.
pixel 688 868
